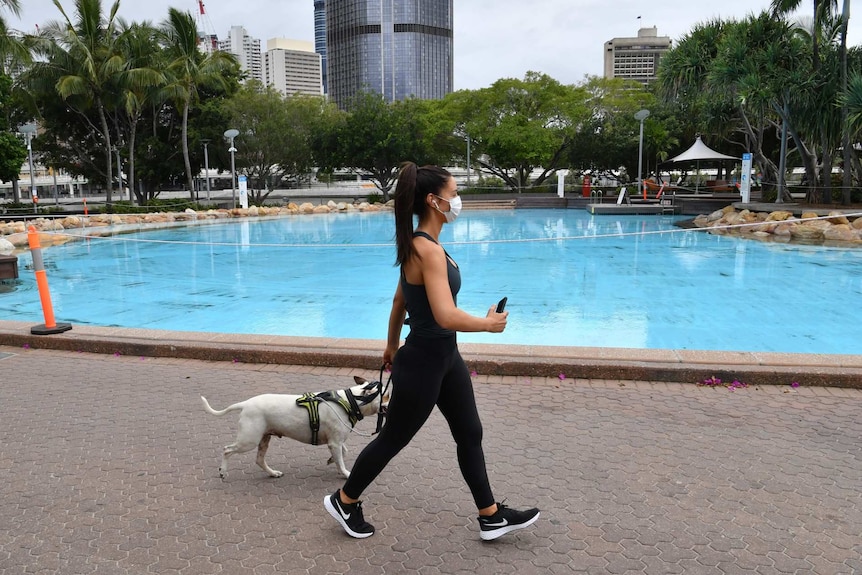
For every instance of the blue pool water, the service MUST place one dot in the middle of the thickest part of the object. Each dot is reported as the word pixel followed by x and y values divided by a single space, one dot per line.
pixel 583 284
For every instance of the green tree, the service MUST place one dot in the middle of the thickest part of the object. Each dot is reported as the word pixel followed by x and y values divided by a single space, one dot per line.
pixel 742 77
pixel 516 126
pixel 188 70
pixel 12 150
pixel 13 48
pixel 275 136
pixel 824 15
pixel 608 138
pixel 82 61
pixel 375 137
pixel 137 85
pixel 762 64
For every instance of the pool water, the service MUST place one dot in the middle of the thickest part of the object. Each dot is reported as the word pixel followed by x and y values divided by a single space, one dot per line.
pixel 572 279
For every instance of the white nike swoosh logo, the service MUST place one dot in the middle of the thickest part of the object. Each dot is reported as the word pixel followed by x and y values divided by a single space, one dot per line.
pixel 342 513
pixel 502 523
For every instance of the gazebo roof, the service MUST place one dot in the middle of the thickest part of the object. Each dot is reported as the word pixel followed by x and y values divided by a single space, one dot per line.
pixel 699 151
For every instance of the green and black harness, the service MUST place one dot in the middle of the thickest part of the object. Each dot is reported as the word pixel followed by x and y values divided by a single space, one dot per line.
pixel 349 403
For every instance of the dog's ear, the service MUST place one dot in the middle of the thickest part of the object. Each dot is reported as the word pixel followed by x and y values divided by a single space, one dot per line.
pixel 359 380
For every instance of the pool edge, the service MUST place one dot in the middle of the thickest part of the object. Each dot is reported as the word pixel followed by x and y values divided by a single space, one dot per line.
pixel 680 366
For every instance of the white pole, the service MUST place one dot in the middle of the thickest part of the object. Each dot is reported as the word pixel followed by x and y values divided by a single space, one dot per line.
pixel 207 169
pixel 33 193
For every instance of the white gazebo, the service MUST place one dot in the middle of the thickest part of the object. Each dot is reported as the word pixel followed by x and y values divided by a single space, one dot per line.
pixel 700 152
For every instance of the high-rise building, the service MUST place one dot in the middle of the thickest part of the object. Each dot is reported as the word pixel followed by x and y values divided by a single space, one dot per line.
pixel 247 51
pixel 398 48
pixel 207 43
pixel 320 36
pixel 636 58
pixel 293 67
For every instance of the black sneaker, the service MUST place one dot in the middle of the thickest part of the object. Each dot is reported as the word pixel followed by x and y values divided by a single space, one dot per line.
pixel 349 515
pixel 505 520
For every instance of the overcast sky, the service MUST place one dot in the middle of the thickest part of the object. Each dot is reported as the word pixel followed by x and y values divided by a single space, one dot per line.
pixel 493 38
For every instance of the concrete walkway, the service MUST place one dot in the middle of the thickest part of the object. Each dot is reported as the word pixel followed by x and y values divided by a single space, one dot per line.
pixel 109 465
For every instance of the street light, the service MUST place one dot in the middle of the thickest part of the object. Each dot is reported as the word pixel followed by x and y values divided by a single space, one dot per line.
pixel 231 134
pixel 29 131
pixel 468 159
pixel 641 115
pixel 205 141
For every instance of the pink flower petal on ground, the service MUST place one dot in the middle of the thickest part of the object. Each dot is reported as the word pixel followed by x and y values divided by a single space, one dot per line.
pixel 26 346
pixel 794 385
pixel 562 376
pixel 473 373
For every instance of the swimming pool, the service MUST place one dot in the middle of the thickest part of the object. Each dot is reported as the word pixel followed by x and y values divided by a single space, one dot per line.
pixel 572 279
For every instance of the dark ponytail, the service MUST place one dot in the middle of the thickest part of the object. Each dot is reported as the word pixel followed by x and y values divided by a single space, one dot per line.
pixel 413 185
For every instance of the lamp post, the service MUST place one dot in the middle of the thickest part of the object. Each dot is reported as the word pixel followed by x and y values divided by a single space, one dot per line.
pixel 29 131
pixel 231 134
pixel 205 141
pixel 468 159
pixel 641 115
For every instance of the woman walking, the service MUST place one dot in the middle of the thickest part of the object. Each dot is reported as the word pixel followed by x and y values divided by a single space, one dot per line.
pixel 428 370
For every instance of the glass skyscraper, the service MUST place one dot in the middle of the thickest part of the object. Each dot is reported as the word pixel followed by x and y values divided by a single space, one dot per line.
pixel 320 36
pixel 398 48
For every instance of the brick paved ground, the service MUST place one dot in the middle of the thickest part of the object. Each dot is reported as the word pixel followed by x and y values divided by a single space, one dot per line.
pixel 109 465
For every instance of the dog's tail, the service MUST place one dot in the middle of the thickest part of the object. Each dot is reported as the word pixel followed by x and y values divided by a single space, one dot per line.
pixel 228 409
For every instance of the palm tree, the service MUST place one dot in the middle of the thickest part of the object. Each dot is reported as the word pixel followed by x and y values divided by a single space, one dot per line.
pixel 82 61
pixel 10 43
pixel 188 69
pixel 140 81
pixel 824 10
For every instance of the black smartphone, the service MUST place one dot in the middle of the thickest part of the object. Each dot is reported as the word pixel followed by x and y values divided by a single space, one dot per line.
pixel 501 305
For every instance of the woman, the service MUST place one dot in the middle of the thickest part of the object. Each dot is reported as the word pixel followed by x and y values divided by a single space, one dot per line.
pixel 428 370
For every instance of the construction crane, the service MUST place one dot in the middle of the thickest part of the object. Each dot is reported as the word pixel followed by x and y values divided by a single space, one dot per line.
pixel 207 38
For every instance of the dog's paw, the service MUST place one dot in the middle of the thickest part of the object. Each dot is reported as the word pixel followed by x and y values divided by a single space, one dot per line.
pixel 346 474
pixel 276 473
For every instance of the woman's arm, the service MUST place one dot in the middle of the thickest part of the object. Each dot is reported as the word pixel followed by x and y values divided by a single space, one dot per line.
pixel 396 322
pixel 436 278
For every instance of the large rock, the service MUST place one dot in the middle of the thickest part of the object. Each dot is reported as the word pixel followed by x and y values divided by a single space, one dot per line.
pixel 306 208
pixel 837 218
pixel 806 232
pixel 715 216
pixel 841 232
pixel 6 247
pixel 779 216
pixel 321 210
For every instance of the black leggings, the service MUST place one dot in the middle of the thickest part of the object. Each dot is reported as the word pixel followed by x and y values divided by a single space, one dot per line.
pixel 427 372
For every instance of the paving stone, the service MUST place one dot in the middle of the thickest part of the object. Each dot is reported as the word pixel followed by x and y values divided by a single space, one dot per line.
pixel 110 466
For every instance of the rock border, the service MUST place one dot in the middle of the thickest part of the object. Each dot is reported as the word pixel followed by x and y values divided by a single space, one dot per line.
pixel 13 235
pixel 834 229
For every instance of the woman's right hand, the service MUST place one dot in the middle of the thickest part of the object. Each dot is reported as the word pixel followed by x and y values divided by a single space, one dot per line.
pixel 389 355
pixel 497 321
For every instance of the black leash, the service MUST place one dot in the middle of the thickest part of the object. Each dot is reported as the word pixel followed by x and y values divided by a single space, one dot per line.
pixel 381 410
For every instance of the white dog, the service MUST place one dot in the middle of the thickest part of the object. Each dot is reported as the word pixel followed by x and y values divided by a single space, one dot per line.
pixel 280 415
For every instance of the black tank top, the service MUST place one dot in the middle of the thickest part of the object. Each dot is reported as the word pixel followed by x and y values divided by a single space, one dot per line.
pixel 421 319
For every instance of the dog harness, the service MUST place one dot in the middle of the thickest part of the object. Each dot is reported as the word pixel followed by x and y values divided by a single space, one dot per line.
pixel 311 402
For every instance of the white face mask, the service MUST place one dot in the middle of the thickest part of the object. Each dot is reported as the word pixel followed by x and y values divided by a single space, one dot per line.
pixel 454 208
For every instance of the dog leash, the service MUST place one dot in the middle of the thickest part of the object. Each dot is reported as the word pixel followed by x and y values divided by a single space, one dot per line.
pixel 381 409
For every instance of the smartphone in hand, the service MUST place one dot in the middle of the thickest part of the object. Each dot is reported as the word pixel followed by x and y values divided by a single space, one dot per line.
pixel 501 305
